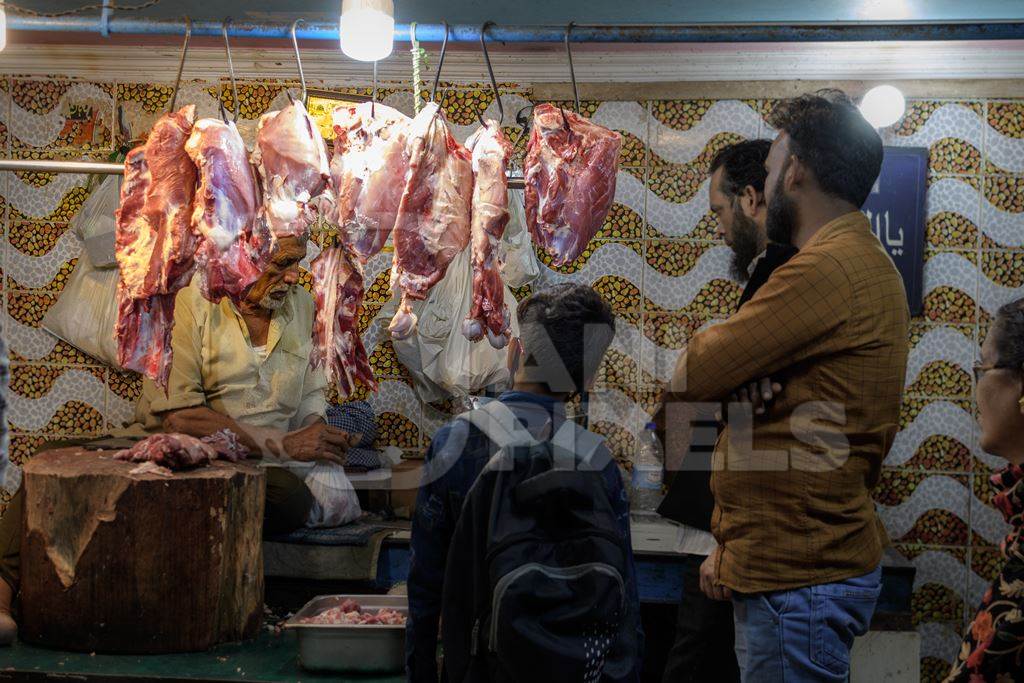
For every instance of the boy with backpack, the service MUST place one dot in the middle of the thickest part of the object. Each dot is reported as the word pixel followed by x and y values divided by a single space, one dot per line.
pixel 520 539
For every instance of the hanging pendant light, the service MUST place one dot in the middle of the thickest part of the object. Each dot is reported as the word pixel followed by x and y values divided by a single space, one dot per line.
pixel 367 29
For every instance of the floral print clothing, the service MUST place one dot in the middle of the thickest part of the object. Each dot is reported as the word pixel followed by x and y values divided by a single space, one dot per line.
pixel 993 647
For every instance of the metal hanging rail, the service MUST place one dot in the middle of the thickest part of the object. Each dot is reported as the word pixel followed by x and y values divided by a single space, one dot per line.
pixel 102 168
pixel 581 33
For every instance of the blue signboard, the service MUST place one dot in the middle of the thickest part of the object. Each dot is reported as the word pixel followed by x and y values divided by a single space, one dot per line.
pixel 896 209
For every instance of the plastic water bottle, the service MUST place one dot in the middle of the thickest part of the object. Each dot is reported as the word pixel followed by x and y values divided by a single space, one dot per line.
pixel 648 471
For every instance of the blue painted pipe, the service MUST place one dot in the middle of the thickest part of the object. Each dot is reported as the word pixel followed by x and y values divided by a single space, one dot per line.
pixel 581 33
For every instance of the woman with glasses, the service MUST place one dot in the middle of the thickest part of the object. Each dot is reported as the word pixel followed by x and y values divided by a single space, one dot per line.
pixel 993 647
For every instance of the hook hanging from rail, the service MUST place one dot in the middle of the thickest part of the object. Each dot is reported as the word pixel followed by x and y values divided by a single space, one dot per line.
pixel 231 69
pixel 440 61
pixel 298 59
pixel 490 73
pixel 572 71
pixel 181 63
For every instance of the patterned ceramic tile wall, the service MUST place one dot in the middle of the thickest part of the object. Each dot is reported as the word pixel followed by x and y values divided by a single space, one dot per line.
pixel 656 260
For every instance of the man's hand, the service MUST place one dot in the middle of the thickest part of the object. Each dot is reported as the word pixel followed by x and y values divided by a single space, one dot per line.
pixel 319 441
pixel 758 394
pixel 709 578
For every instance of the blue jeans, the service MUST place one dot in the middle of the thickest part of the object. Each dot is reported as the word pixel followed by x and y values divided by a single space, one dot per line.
pixel 805 634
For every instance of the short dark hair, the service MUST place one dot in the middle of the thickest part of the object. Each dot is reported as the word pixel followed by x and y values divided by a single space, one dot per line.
pixel 570 321
pixel 1009 330
pixel 743 165
pixel 828 134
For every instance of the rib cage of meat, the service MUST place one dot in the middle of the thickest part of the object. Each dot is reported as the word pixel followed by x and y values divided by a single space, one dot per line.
pixel 570 180
pixel 490 151
pixel 367 177
pixel 155 244
pixel 291 158
pixel 337 346
pixel 433 220
pixel 225 209
pixel 368 174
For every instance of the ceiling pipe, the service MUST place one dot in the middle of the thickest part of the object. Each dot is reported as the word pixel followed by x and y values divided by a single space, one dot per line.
pixel 581 33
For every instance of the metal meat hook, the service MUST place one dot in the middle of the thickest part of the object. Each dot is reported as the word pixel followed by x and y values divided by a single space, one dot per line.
pixel 181 63
pixel 231 72
pixel 490 73
pixel 298 59
pixel 440 61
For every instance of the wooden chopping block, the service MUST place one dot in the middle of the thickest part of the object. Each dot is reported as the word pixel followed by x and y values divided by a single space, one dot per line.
pixel 139 563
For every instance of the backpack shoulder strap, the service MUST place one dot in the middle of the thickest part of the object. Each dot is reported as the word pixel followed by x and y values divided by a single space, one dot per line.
pixel 497 421
pixel 574 446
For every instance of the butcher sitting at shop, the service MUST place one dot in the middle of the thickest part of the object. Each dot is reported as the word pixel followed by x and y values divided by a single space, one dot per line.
pixel 243 367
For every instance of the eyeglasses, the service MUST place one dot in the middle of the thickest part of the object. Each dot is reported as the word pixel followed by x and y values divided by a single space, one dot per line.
pixel 980 369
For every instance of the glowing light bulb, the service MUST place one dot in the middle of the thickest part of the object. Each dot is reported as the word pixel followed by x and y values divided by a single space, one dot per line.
pixel 3 28
pixel 883 106
pixel 367 29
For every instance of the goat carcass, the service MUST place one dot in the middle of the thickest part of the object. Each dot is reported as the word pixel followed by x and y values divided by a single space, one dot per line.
pixel 291 158
pixel 570 180
pixel 155 244
pixel 337 346
pixel 433 220
pixel 490 151
pixel 368 174
pixel 225 209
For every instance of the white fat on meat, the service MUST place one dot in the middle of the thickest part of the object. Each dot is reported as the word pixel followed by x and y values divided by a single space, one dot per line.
pixel 569 174
pixel 291 157
pixel 433 222
pixel 225 209
pixel 490 150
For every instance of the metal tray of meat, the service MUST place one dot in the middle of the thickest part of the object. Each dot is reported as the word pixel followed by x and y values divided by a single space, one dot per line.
pixel 365 648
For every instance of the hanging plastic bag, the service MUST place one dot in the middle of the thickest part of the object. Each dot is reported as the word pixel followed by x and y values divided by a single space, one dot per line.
pixel 519 266
pixel 86 311
pixel 95 223
pixel 334 500
pixel 440 360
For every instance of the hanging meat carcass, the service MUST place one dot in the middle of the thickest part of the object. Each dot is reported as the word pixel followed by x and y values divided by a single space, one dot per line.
pixel 490 150
pixel 225 209
pixel 368 174
pixel 291 158
pixel 569 171
pixel 337 346
pixel 155 244
pixel 367 177
pixel 433 221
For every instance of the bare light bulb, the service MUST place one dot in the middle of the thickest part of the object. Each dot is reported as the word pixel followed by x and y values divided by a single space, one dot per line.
pixel 883 106
pixel 367 29
pixel 3 28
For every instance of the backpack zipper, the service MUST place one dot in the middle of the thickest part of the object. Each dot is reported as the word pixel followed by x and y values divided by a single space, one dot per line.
pixel 516 538
pixel 573 572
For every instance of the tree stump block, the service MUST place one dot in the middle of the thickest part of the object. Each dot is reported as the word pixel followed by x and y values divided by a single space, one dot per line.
pixel 139 563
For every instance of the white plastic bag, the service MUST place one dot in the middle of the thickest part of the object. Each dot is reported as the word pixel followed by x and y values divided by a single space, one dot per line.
pixel 95 223
pixel 334 500
pixel 86 311
pixel 440 360
pixel 519 266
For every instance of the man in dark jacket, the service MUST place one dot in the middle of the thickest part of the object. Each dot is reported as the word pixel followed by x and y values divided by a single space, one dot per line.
pixel 703 648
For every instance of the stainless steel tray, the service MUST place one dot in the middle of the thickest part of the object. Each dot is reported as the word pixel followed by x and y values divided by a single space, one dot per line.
pixel 374 648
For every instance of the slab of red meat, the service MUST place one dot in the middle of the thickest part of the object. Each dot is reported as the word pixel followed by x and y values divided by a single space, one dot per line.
pixel 291 158
pixel 173 451
pixel 227 445
pixel 155 244
pixel 337 346
pixel 491 150
pixel 225 209
pixel 570 180
pixel 368 174
pixel 434 215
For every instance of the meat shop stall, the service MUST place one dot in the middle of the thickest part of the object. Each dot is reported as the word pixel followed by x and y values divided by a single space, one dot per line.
pixel 249 276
